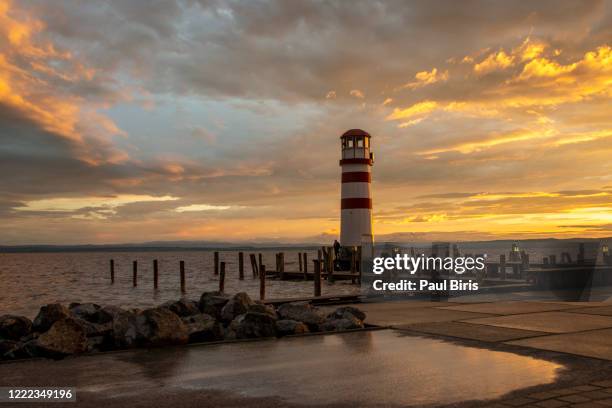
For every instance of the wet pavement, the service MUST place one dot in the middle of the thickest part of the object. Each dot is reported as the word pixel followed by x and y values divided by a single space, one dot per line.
pixel 364 368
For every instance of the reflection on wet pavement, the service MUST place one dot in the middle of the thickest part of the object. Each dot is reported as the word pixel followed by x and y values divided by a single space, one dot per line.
pixel 371 367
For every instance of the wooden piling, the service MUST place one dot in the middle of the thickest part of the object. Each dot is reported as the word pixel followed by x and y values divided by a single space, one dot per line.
pixel 305 255
pixel 254 265
pixel 260 259
pixel 330 265
pixel 317 275
pixel 240 266
pixel 553 259
pixel 581 257
pixel 222 278
pixel 502 266
pixel 135 273
pixel 353 264
pixel 262 282
pixel 112 270
pixel 281 265
pixel 182 269
pixel 216 263
pixel 359 263
pixel 155 274
pixel 300 261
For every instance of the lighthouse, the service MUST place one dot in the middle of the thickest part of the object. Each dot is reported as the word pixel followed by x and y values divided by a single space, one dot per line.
pixel 356 197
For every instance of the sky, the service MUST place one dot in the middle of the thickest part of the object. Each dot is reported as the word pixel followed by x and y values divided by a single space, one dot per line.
pixel 134 121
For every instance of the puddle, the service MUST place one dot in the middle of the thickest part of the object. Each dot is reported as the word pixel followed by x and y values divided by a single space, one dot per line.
pixel 376 367
pixel 381 367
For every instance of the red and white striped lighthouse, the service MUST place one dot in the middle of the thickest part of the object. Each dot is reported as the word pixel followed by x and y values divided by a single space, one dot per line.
pixel 356 202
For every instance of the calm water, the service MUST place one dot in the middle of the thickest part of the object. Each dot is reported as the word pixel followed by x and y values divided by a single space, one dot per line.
pixel 30 280
pixel 375 368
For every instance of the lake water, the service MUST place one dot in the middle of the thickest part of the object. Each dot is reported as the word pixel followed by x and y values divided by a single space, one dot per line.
pixel 29 280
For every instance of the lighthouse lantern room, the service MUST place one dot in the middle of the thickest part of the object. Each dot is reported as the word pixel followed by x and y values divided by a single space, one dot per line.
pixel 356 196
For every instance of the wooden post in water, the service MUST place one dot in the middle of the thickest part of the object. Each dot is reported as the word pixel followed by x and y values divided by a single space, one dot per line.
pixel 581 253
pixel 240 265
pixel 305 266
pixel 317 275
pixel 222 278
pixel 359 263
pixel 254 265
pixel 135 273
pixel 553 259
pixel 300 261
pixel 502 266
pixel 112 270
pixel 155 274
pixel 216 263
pixel 353 264
pixel 281 265
pixel 182 268
pixel 262 282
pixel 260 256
pixel 330 265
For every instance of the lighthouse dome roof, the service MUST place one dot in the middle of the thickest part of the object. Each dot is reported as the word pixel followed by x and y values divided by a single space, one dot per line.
pixel 355 132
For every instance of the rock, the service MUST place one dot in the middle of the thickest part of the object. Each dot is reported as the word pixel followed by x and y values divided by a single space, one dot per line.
pixel 106 314
pixel 164 328
pixel 212 303
pixel 6 346
pixel 346 323
pixel 85 311
pixel 237 305
pixel 252 325
pixel 127 328
pixel 302 312
pixel 203 327
pixel 345 312
pixel 48 315
pixel 183 307
pixel 259 307
pixel 289 327
pixel 96 329
pixel 65 337
pixel 14 327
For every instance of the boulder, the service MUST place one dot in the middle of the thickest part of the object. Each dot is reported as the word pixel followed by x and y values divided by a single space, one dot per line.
pixel 203 327
pixel 85 311
pixel 14 327
pixel 126 327
pixel 106 314
pixel 289 327
pixel 237 305
pixel 302 312
pixel 253 325
pixel 259 307
pixel 48 315
pixel 7 346
pixel 183 307
pixel 65 337
pixel 346 323
pixel 345 312
pixel 212 303
pixel 163 328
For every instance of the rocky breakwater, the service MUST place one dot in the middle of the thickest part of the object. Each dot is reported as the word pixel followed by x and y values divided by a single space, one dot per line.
pixel 59 331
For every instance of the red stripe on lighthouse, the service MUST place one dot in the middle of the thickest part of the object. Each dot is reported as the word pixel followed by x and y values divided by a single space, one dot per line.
pixel 356 177
pixel 355 203
pixel 356 161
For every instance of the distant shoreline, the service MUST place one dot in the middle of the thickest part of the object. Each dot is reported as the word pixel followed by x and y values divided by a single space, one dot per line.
pixel 228 246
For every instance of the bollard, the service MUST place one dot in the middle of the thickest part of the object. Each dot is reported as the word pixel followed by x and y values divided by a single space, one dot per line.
pixel 216 263
pixel 222 278
pixel 317 276
pixel 155 274
pixel 262 282
pixel 240 266
pixel 112 270
pixel 182 268
pixel 135 273
pixel 305 266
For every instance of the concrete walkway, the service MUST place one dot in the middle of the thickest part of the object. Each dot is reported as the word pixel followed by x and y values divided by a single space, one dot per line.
pixel 583 328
